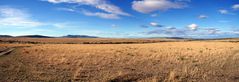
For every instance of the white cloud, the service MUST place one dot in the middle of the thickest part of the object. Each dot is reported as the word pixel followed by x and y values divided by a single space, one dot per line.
pixel 154 15
pixel 223 11
pixel 67 9
pixel 61 25
pixel 19 22
pixel 154 24
pixel 200 33
pixel 202 16
pixel 104 5
pixel 169 31
pixel 235 7
pixel 212 30
pixel 236 32
pixel 193 27
pixel 101 15
pixel 15 17
pixel 147 6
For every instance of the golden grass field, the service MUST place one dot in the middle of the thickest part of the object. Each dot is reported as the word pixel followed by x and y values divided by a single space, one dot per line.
pixel 177 61
pixel 82 40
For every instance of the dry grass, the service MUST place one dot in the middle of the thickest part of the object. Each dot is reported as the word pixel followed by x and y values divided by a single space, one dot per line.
pixel 6 46
pixel 81 40
pixel 155 62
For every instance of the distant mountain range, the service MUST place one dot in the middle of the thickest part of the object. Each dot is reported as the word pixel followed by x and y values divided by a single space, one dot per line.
pixel 86 36
pixel 169 38
pixel 42 36
pixel 34 36
pixel 79 36
pixel 75 36
pixel 5 36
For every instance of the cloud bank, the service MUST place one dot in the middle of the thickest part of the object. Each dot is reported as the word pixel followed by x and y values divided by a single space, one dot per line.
pixel 110 11
pixel 147 6
pixel 10 16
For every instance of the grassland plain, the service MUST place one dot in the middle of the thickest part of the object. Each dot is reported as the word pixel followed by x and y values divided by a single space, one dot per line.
pixel 83 40
pixel 191 61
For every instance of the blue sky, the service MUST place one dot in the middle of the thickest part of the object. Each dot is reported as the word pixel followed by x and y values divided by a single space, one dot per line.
pixel 121 18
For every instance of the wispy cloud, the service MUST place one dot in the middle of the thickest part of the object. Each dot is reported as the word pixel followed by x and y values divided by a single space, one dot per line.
pixel 202 16
pixel 223 11
pixel 101 15
pixel 236 32
pixel 67 9
pixel 177 32
pixel 212 30
pixel 10 16
pixel 170 31
pixel 147 6
pixel 235 7
pixel 154 15
pixel 155 24
pixel 152 24
pixel 204 32
pixel 62 25
pixel 110 11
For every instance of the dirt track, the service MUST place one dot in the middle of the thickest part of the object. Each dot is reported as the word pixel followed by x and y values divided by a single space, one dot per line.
pixel 7 51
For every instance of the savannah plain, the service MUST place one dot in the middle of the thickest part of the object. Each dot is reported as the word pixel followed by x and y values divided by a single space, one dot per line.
pixel 118 60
